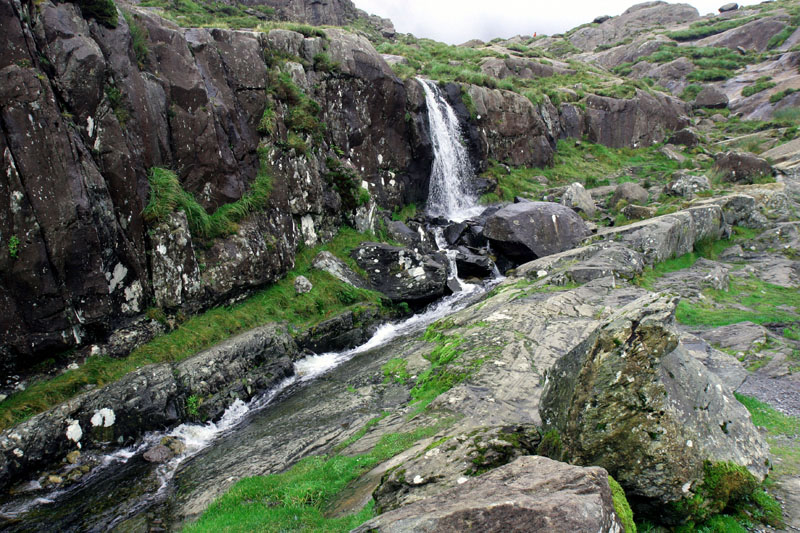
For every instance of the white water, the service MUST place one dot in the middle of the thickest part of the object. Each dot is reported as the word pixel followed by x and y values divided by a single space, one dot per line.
pixel 449 194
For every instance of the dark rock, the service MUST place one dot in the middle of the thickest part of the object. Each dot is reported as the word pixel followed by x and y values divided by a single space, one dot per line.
pixel 741 167
pixel 401 274
pixel 685 137
pixel 601 19
pixel 637 212
pixel 595 396
pixel 403 234
pixel 473 266
pixel 341 332
pixel 158 454
pixel 738 210
pixel 527 231
pixel 711 97
pixel 632 193
pixel 729 7
pixel 453 232
pixel 530 494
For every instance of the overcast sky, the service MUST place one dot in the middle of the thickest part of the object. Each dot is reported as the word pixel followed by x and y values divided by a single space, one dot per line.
pixel 457 21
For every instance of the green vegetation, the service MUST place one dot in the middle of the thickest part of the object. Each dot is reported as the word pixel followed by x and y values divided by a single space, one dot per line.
pixel 441 376
pixel 783 432
pixel 266 126
pixel 587 163
pixel 730 489
pixel 199 14
pixel 302 118
pixel 347 183
pixel 712 62
pixel 551 446
pixel 780 38
pixel 193 405
pixel 690 92
pixel 114 96
pixel 764 303
pixel 404 213
pixel 706 28
pixel 394 370
pixel 167 196
pixel 761 84
pixel 138 39
pixel 278 303
pixel 323 63
pixel 103 11
pixel 13 246
pixel 621 506
pixel 296 500
pixel 780 95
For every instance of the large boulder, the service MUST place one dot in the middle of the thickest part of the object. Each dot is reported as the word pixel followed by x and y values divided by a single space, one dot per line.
pixel 531 494
pixel 403 275
pixel 686 185
pixel 529 230
pixel 741 167
pixel 631 399
pixel 576 197
pixel 711 97
pixel 632 193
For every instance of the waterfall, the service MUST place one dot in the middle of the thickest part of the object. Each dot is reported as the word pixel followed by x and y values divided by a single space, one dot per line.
pixel 450 194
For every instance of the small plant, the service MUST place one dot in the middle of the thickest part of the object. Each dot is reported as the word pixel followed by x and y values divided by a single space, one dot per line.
pixel 104 11
pixel 115 100
pixel 777 97
pixel 138 39
pixel 323 63
pixel 13 246
pixel 193 406
pixel 266 126
pixel 364 197
pixel 394 371
pixel 551 446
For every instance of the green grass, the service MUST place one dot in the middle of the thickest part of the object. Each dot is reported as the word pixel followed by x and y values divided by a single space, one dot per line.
pixel 706 28
pixel 780 95
pixel 138 39
pixel 404 213
pixel 780 38
pixel 297 499
pixel 200 14
pixel 167 196
pixel 104 11
pixel 761 84
pixel 764 415
pixel 712 62
pixel 721 308
pixel 278 303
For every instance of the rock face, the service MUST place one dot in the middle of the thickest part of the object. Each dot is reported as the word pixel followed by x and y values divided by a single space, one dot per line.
pixel 526 231
pixel 530 494
pixel 401 274
pixel 315 12
pixel 711 97
pixel 632 400
pixel 741 167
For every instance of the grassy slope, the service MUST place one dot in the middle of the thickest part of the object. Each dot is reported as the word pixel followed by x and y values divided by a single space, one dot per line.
pixel 278 303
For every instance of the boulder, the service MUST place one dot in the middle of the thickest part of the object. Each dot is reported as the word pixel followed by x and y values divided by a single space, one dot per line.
pixel 686 185
pixel 453 232
pixel 400 232
pixel 302 285
pixel 741 167
pixel 742 337
pixel 632 193
pixel 526 231
pixel 711 97
pixel 601 19
pixel 584 264
pixel 403 275
pixel 530 494
pixel 753 36
pixel 632 400
pixel 576 197
pixel 337 268
pixel 637 212
pixel 671 152
pixel 689 282
pixel 686 137
pixel 158 454
pixel 732 6
pixel 471 265
pixel 737 210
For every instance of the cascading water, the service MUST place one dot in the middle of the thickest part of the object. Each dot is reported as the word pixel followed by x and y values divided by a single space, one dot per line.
pixel 450 194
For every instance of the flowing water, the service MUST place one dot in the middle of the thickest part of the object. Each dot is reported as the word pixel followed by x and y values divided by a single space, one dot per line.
pixel 450 194
pixel 302 415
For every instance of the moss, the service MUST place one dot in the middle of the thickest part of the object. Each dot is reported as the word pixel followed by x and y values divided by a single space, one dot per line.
pixel 551 446
pixel 621 506
pixel 394 370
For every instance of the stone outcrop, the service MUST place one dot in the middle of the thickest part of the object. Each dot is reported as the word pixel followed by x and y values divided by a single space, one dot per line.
pixel 529 230
pixel 632 400
pixel 741 167
pixel 686 185
pixel 530 494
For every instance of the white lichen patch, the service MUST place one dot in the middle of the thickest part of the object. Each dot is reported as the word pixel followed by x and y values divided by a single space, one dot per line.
pixel 18 452
pixel 462 480
pixel 116 277
pixel 104 417
pixel 74 431
pixel 418 480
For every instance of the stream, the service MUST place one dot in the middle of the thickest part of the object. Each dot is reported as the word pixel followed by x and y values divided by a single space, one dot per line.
pixel 305 414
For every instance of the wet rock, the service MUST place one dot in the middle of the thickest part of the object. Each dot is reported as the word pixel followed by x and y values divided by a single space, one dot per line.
pixel 344 331
pixel 632 193
pixel 710 97
pixel 733 6
pixel 686 137
pixel 632 399
pixel 337 268
pixel 403 234
pixel 158 454
pixel 741 167
pixel 73 457
pixel 530 494
pixel 471 265
pixel 453 232
pixel 526 231
pixel 302 285
pixel 686 185
pixel 175 445
pixel 576 197
pixel 401 274
pixel 637 212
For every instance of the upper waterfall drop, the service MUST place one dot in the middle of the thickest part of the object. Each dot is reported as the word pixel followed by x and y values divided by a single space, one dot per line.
pixel 449 194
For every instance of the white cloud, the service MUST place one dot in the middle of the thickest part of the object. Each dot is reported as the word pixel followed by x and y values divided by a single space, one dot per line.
pixel 456 21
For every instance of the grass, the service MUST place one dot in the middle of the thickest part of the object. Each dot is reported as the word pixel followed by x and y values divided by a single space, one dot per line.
pixel 761 84
pixel 278 303
pixel 711 62
pixel 764 415
pixel 296 500
pixel 167 196
pixel 748 299
pixel 780 95
pixel 191 14
pixel 138 39
pixel 706 28
pixel 779 38
pixel 104 11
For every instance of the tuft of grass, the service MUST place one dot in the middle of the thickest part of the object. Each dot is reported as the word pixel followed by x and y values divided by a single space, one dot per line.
pixel 621 506
pixel 404 213
pixel 139 37
pixel 764 415
pixel 296 500
pixel 395 370
pixel 200 14
pixel 103 11
pixel 13 247
pixel 706 28
pixel 277 303
pixel 780 95
pixel 779 38
pixel 761 84
pixel 115 100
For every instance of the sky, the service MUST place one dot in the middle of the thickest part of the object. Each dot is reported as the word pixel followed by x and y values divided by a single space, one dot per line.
pixel 457 21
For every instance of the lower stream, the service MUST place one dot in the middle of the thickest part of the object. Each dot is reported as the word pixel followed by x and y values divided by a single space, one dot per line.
pixel 303 415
